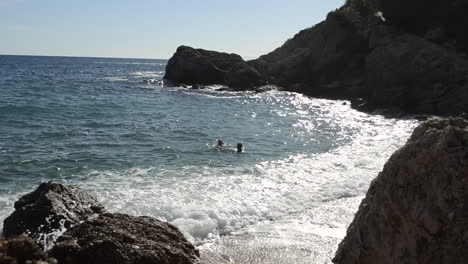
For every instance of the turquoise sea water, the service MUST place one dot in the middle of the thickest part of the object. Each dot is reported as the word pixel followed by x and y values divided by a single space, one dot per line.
pixel 148 149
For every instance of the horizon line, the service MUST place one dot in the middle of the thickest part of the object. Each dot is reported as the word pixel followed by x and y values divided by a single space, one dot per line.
pixel 74 56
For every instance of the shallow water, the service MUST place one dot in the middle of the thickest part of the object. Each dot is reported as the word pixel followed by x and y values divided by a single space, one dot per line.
pixel 147 149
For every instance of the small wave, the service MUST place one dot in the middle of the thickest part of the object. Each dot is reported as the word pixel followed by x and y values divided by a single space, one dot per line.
pixel 148 74
pixel 115 79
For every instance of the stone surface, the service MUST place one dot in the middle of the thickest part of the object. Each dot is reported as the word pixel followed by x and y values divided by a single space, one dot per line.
pixel 244 77
pixel 198 66
pixel 416 210
pixel 22 249
pixel 415 75
pixel 327 60
pixel 51 207
pixel 123 239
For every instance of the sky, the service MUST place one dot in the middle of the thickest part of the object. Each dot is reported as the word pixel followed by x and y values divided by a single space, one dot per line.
pixel 153 29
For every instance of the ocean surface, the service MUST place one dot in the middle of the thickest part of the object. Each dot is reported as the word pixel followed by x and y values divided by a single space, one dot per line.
pixel 149 149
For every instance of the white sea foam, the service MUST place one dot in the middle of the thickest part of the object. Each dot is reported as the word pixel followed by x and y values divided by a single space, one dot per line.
pixel 208 202
pixel 115 79
pixel 312 194
pixel 148 74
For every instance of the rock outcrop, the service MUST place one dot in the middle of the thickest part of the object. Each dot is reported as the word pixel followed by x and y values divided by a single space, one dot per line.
pixel 415 211
pixel 198 66
pixel 21 250
pixel 416 63
pixel 327 60
pixel 92 235
pixel 123 239
pixel 50 208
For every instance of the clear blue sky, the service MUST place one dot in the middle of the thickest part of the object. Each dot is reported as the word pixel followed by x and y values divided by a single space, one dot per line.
pixel 153 29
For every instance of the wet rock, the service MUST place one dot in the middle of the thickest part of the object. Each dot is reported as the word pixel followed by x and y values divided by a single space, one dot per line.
pixel 198 66
pixel 22 249
pixel 123 239
pixel 415 211
pixel 415 75
pixel 49 209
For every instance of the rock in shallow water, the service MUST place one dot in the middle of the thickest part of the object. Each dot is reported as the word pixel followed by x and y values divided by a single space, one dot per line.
pixel 124 239
pixel 50 208
pixel 415 211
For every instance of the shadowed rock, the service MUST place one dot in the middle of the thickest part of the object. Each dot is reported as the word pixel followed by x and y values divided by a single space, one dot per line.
pixel 22 249
pixel 414 75
pixel 415 211
pixel 123 239
pixel 50 208
pixel 198 66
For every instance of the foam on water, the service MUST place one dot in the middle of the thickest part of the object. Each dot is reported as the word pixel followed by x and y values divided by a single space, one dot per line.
pixel 206 202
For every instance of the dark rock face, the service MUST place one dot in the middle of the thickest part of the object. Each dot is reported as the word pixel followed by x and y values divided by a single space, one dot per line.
pixel 244 77
pixel 327 60
pixel 424 16
pixel 414 75
pixel 198 66
pixel 419 66
pixel 123 239
pixel 416 209
pixel 50 207
pixel 22 249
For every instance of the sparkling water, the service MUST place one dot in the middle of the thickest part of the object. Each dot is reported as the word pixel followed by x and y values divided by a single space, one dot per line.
pixel 113 127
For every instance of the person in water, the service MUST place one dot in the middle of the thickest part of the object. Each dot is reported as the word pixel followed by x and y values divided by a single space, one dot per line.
pixel 240 147
pixel 220 144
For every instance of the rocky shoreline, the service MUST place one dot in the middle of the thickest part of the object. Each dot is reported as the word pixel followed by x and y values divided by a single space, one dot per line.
pixel 374 53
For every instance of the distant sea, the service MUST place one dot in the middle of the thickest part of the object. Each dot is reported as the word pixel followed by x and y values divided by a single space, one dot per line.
pixel 149 149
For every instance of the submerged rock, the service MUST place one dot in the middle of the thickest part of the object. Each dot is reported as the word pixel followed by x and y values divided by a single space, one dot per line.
pixel 124 239
pixel 50 208
pixel 415 211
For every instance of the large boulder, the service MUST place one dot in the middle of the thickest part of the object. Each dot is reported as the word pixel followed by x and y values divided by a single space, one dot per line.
pixel 416 210
pixel 198 66
pixel 415 75
pixel 52 207
pixel 123 239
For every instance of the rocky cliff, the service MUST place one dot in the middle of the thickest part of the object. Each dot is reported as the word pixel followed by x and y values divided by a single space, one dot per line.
pixel 415 211
pixel 407 56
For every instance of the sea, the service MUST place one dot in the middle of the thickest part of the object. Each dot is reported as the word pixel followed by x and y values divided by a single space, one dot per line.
pixel 143 146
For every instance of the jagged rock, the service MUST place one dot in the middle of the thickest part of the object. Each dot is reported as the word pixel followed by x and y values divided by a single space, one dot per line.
pixel 51 207
pixel 22 249
pixel 415 75
pixel 198 66
pixel 123 239
pixel 416 210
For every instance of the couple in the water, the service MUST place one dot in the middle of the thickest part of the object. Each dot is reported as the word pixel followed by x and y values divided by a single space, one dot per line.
pixel 222 145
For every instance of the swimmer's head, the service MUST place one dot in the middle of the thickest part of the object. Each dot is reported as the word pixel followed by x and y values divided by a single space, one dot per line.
pixel 220 143
pixel 239 147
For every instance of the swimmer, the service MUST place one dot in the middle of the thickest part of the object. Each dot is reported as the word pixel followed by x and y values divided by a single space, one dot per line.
pixel 220 144
pixel 240 148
